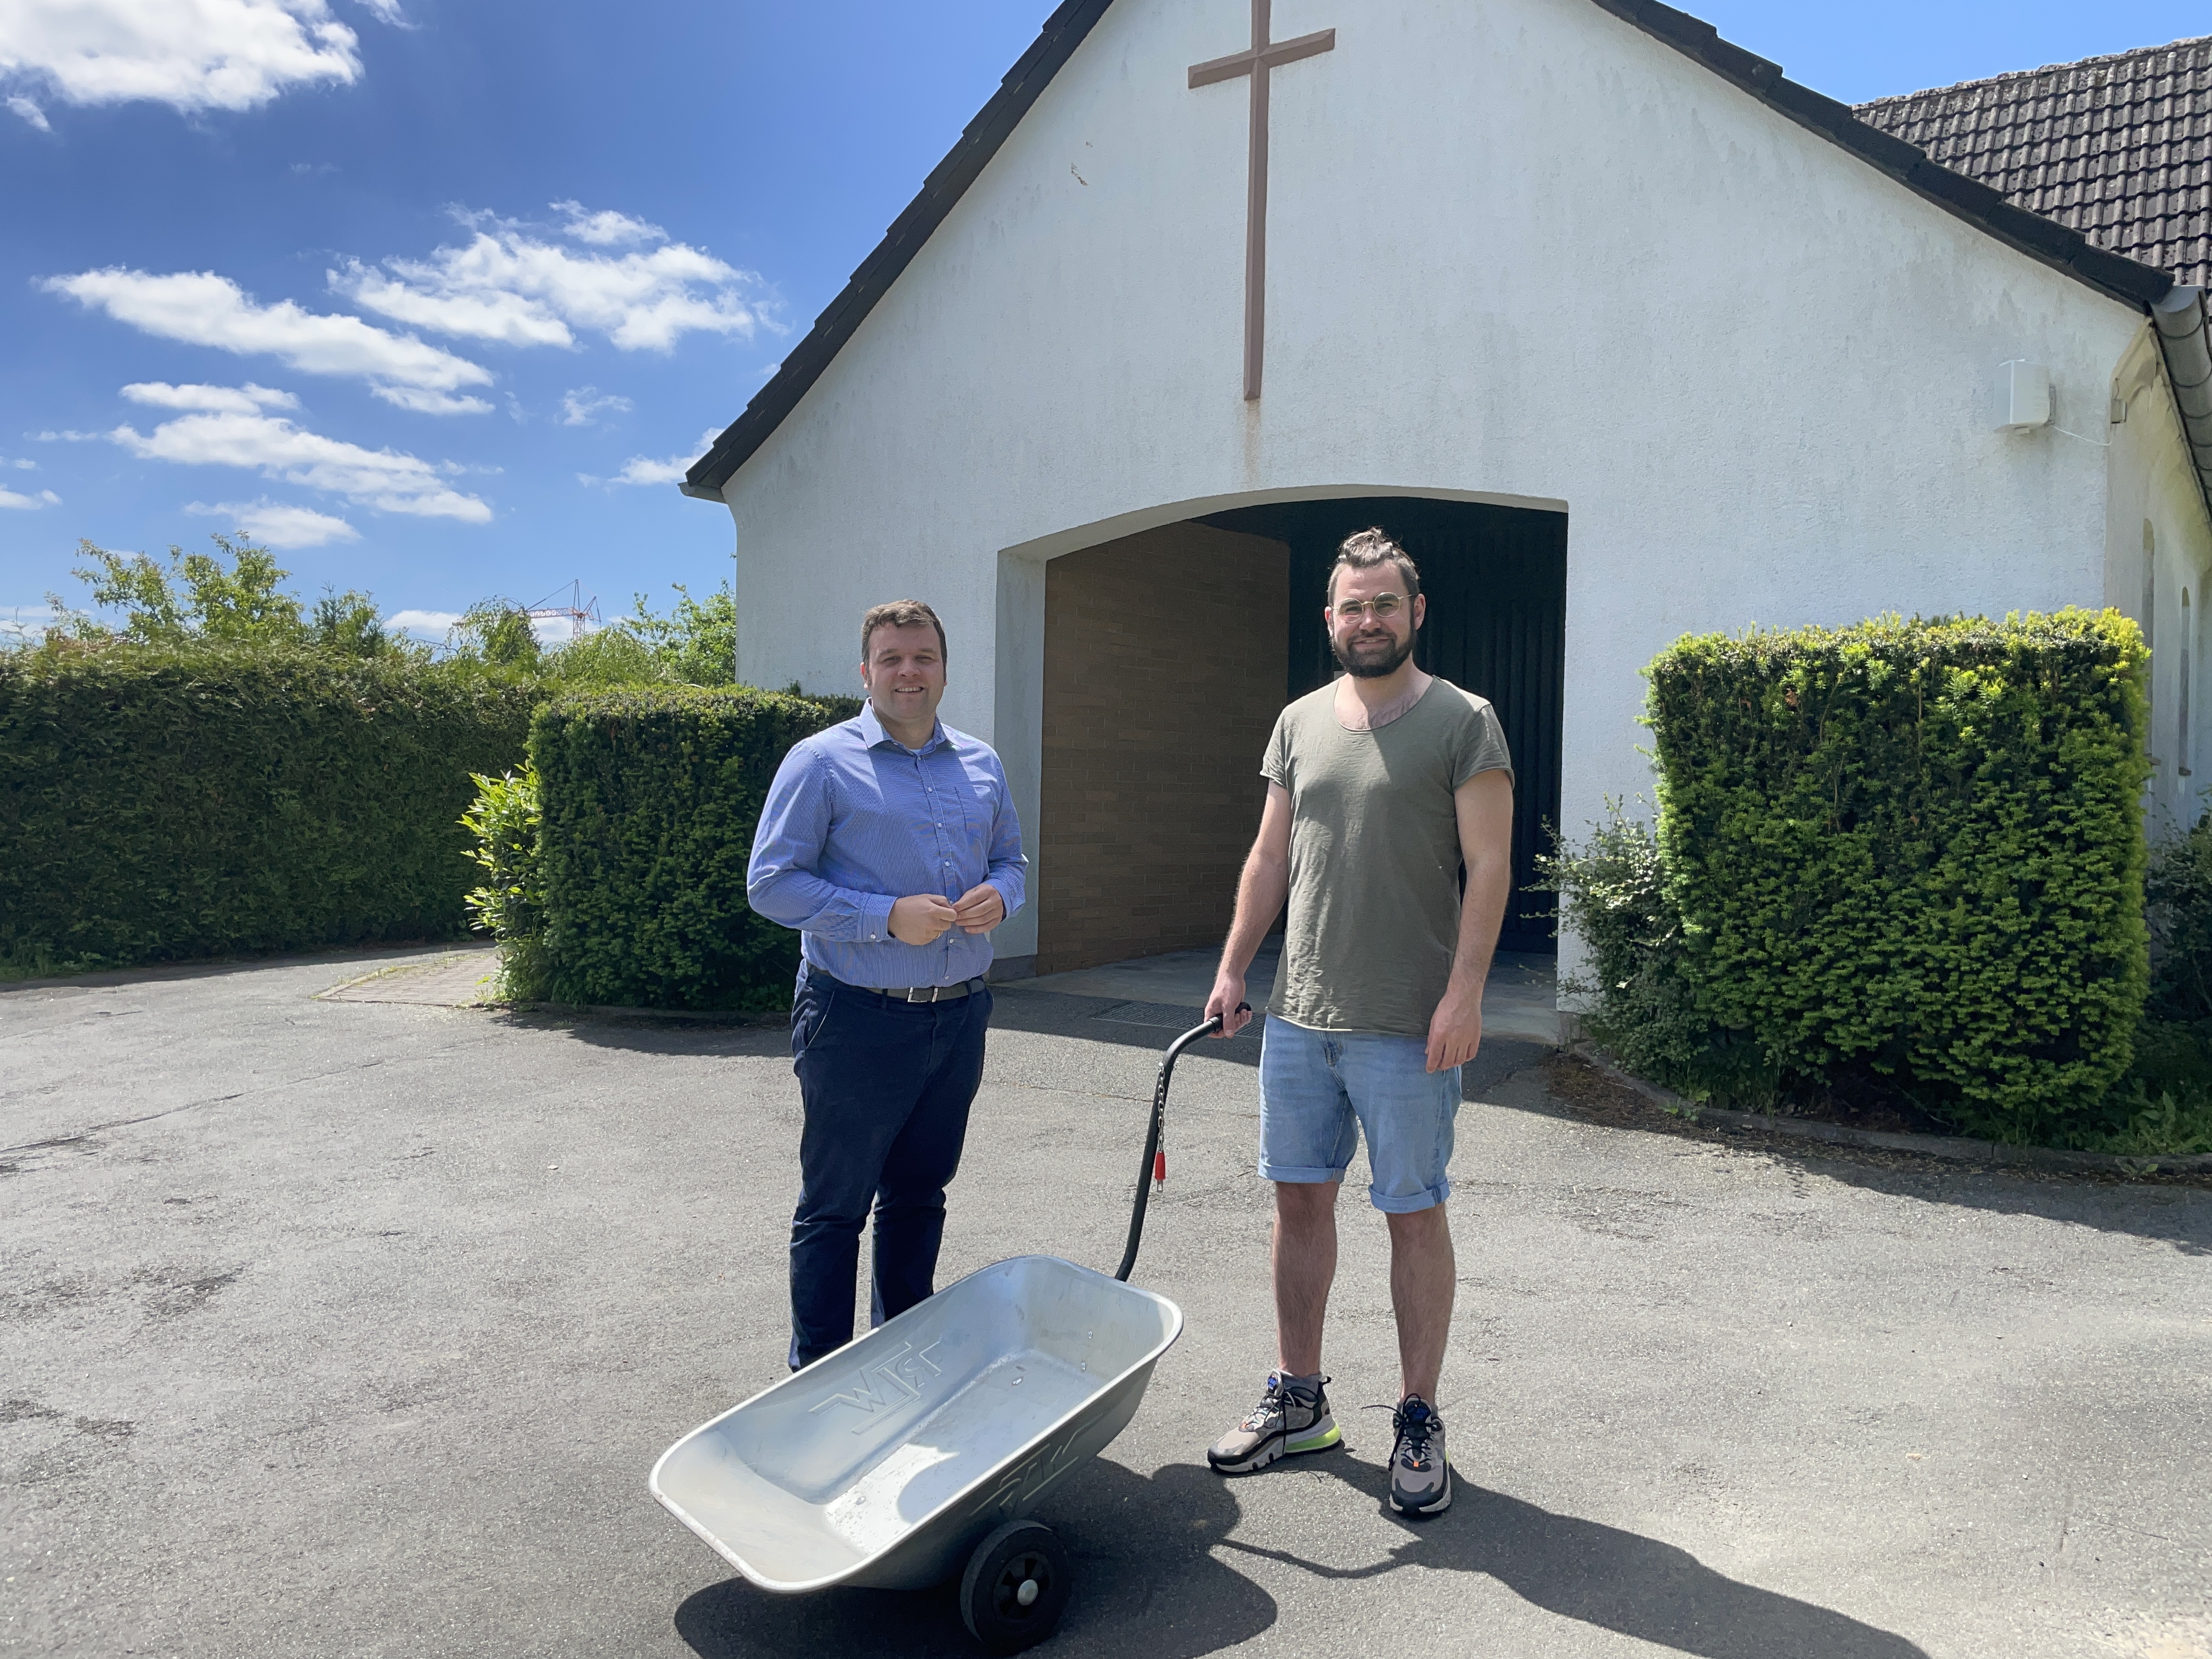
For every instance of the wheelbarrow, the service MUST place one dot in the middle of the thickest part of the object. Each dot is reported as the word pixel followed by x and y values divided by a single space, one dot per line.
pixel 921 1449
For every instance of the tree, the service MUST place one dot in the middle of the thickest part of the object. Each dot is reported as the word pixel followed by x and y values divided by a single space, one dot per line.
pixel 198 597
pixel 696 641
pixel 230 597
pixel 499 632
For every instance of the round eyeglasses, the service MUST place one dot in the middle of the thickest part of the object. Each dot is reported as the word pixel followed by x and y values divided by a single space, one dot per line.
pixel 1384 606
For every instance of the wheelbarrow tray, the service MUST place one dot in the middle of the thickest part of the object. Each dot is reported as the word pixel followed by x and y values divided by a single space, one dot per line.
pixel 882 1463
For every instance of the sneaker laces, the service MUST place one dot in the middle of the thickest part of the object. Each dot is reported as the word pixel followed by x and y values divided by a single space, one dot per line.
pixel 1414 1433
pixel 1279 1397
pixel 1273 1400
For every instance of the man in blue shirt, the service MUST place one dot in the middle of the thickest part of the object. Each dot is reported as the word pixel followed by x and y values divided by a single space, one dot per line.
pixel 889 842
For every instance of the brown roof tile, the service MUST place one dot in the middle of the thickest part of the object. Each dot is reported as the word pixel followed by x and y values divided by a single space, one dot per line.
pixel 2119 147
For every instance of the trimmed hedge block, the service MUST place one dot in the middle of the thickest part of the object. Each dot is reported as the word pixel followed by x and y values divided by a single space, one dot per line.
pixel 1917 847
pixel 158 804
pixel 649 799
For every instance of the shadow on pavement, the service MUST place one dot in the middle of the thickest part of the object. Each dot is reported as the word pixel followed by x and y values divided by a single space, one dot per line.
pixel 1154 1025
pixel 1146 1582
pixel 2174 1210
pixel 645 1035
pixel 2173 1215
pixel 1600 1574
pixel 347 959
pixel 1151 1025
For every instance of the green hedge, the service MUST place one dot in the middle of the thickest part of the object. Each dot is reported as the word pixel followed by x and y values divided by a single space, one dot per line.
pixel 648 797
pixel 162 803
pixel 1915 847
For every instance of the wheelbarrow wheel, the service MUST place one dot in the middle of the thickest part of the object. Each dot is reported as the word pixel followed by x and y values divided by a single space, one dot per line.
pixel 1016 1587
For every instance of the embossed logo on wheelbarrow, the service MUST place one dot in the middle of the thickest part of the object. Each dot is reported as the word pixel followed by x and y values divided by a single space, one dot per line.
pixel 899 1381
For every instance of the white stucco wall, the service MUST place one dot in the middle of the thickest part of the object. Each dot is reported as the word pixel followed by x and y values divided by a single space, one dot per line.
pixel 2157 528
pixel 1518 250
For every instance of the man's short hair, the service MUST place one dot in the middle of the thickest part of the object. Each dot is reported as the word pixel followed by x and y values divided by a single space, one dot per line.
pixel 1366 550
pixel 900 613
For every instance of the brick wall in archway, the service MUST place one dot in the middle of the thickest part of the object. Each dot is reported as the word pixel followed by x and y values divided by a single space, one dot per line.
pixel 1164 665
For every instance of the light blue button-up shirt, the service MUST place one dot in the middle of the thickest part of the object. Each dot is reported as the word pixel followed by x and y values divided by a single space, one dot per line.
pixel 856 820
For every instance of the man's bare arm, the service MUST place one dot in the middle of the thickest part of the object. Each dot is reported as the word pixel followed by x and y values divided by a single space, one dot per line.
pixel 1260 892
pixel 1484 805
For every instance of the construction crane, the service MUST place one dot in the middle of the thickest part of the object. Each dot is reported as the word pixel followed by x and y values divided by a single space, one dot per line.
pixel 582 614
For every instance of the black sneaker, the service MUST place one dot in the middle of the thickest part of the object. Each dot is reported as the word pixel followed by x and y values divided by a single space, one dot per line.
pixel 1292 1417
pixel 1420 1475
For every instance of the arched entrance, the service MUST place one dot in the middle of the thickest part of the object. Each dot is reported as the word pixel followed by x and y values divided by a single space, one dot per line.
pixel 1167 655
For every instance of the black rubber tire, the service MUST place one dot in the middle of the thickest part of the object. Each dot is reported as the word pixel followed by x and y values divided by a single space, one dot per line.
pixel 1018 1553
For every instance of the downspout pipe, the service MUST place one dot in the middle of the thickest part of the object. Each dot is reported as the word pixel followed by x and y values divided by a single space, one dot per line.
pixel 2185 340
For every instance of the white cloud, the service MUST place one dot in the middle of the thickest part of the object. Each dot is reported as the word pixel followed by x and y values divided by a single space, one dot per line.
pixel 10 499
pixel 202 309
pixel 423 401
pixel 31 112
pixel 247 399
pixel 385 479
pixel 66 437
pixel 22 465
pixel 189 54
pixel 509 285
pixel 275 524
pixel 577 407
pixel 643 470
pixel 431 623
pixel 387 11
pixel 606 227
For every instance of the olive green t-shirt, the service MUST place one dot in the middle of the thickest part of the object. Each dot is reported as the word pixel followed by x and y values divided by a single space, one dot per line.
pixel 1375 856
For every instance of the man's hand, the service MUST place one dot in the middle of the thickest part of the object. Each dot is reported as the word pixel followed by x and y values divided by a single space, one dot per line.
pixel 1228 1001
pixel 922 918
pixel 980 909
pixel 1456 1030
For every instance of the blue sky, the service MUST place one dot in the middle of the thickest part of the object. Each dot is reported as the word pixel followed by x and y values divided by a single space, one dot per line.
pixel 438 295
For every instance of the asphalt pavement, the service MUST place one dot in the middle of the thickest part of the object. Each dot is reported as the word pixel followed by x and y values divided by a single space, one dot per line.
pixel 349 1327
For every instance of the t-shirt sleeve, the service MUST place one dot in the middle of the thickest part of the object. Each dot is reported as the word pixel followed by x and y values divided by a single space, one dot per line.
pixel 1275 764
pixel 1481 747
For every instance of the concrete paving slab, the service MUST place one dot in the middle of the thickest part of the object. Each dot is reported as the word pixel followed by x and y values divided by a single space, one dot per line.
pixel 345 1327
pixel 453 979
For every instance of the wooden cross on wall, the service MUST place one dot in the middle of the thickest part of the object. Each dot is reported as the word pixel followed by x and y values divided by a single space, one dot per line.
pixel 1257 61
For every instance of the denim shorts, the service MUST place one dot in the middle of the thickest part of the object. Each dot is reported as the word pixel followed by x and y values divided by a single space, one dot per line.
pixel 1318 1089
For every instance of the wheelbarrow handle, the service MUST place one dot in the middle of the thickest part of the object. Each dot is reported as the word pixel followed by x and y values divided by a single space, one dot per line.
pixel 1154 1125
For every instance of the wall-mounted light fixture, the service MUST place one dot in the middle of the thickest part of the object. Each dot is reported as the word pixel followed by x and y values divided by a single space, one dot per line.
pixel 2023 395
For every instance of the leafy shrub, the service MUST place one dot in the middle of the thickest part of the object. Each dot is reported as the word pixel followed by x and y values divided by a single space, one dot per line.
pixel 2177 890
pixel 159 802
pixel 1915 849
pixel 649 796
pixel 1640 1003
pixel 508 903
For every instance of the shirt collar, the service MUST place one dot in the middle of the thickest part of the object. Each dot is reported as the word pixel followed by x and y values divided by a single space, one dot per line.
pixel 871 729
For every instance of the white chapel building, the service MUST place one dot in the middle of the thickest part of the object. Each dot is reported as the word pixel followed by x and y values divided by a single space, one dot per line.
pixel 1621 332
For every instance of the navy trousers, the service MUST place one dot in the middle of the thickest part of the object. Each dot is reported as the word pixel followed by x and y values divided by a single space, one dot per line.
pixel 887 1085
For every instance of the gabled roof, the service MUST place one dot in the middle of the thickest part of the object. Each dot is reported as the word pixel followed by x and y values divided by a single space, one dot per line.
pixel 2118 147
pixel 1979 203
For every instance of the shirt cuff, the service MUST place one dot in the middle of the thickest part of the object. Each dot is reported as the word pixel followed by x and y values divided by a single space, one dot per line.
pixel 1007 896
pixel 876 918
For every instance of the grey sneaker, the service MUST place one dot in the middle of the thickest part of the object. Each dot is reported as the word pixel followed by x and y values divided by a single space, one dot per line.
pixel 1420 1475
pixel 1292 1416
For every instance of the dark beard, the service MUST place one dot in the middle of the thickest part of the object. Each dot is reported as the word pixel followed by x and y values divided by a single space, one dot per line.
pixel 1374 668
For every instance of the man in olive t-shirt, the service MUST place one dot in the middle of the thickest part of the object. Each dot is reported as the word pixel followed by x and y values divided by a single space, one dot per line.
pixel 1380 788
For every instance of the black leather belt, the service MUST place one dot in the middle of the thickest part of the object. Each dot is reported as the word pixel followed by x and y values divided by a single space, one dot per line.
pixel 927 992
